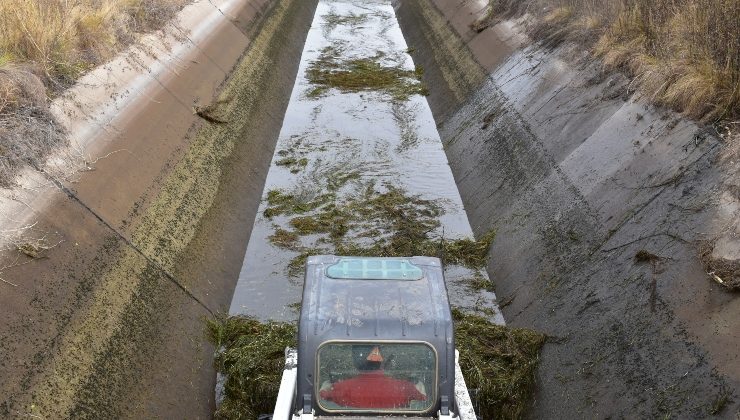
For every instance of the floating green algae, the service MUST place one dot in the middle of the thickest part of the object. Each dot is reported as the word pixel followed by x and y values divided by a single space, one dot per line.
pixel 499 362
pixel 374 222
pixel 479 282
pixel 333 19
pixel 331 71
pixel 280 202
pixel 284 238
pixel 294 164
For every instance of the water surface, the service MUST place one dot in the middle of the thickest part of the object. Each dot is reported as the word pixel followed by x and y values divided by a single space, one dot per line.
pixel 364 139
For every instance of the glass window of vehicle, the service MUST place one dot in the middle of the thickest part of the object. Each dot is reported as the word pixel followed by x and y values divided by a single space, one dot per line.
pixel 374 269
pixel 377 377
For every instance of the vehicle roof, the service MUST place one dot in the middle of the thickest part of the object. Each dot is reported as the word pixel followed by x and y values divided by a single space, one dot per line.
pixel 409 309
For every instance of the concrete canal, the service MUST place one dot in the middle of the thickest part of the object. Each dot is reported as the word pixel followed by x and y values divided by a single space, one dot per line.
pixel 359 168
pixel 250 134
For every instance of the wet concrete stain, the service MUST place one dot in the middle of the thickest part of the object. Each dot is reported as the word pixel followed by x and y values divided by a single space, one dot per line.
pixel 367 144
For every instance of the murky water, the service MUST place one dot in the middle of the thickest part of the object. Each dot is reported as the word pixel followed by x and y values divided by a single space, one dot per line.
pixel 347 142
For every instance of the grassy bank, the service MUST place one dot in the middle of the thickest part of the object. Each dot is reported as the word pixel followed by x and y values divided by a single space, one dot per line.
pixel 45 45
pixel 683 54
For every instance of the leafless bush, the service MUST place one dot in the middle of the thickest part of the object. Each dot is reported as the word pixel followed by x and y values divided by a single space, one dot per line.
pixel 28 131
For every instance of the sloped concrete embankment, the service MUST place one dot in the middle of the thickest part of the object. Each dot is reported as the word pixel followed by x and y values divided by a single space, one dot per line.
pixel 145 241
pixel 601 204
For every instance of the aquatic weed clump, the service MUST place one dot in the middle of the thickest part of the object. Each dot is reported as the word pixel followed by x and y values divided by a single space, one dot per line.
pixel 499 361
pixel 330 71
pixel 470 253
pixel 373 222
pixel 280 202
pixel 333 19
pixel 294 164
pixel 251 356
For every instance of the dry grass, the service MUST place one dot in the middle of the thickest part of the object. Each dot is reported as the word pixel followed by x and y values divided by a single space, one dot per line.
pixel 27 130
pixel 61 39
pixel 45 45
pixel 683 54
pixel 725 272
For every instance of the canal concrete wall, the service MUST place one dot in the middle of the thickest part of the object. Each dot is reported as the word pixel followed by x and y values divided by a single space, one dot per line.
pixel 131 243
pixel 602 206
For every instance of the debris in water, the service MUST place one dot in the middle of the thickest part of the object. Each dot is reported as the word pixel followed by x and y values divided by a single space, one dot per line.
pixel 251 356
pixel 723 271
pixel 294 164
pixel 362 74
pixel 284 238
pixel 373 223
pixel 280 202
pixel 479 282
pixel 499 362
pixel 332 20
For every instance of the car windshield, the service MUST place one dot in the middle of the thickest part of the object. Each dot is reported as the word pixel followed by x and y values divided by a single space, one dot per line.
pixel 366 376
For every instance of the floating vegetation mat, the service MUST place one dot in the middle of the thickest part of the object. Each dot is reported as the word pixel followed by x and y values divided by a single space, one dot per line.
pixel 499 362
pixel 332 20
pixel 331 70
pixel 372 222
pixel 251 356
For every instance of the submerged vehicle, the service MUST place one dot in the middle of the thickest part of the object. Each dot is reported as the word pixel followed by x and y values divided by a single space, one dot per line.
pixel 375 340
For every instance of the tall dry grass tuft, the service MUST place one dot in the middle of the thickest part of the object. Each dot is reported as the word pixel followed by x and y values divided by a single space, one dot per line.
pixel 684 54
pixel 61 39
pixel 45 45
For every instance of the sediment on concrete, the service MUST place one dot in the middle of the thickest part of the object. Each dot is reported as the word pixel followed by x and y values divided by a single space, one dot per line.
pixel 599 203
pixel 105 329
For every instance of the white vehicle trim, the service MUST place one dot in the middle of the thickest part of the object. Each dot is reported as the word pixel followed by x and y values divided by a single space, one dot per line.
pixel 462 397
pixel 286 394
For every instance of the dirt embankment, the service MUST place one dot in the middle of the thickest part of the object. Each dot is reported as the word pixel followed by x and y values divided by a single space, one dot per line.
pixel 602 207
pixel 149 239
